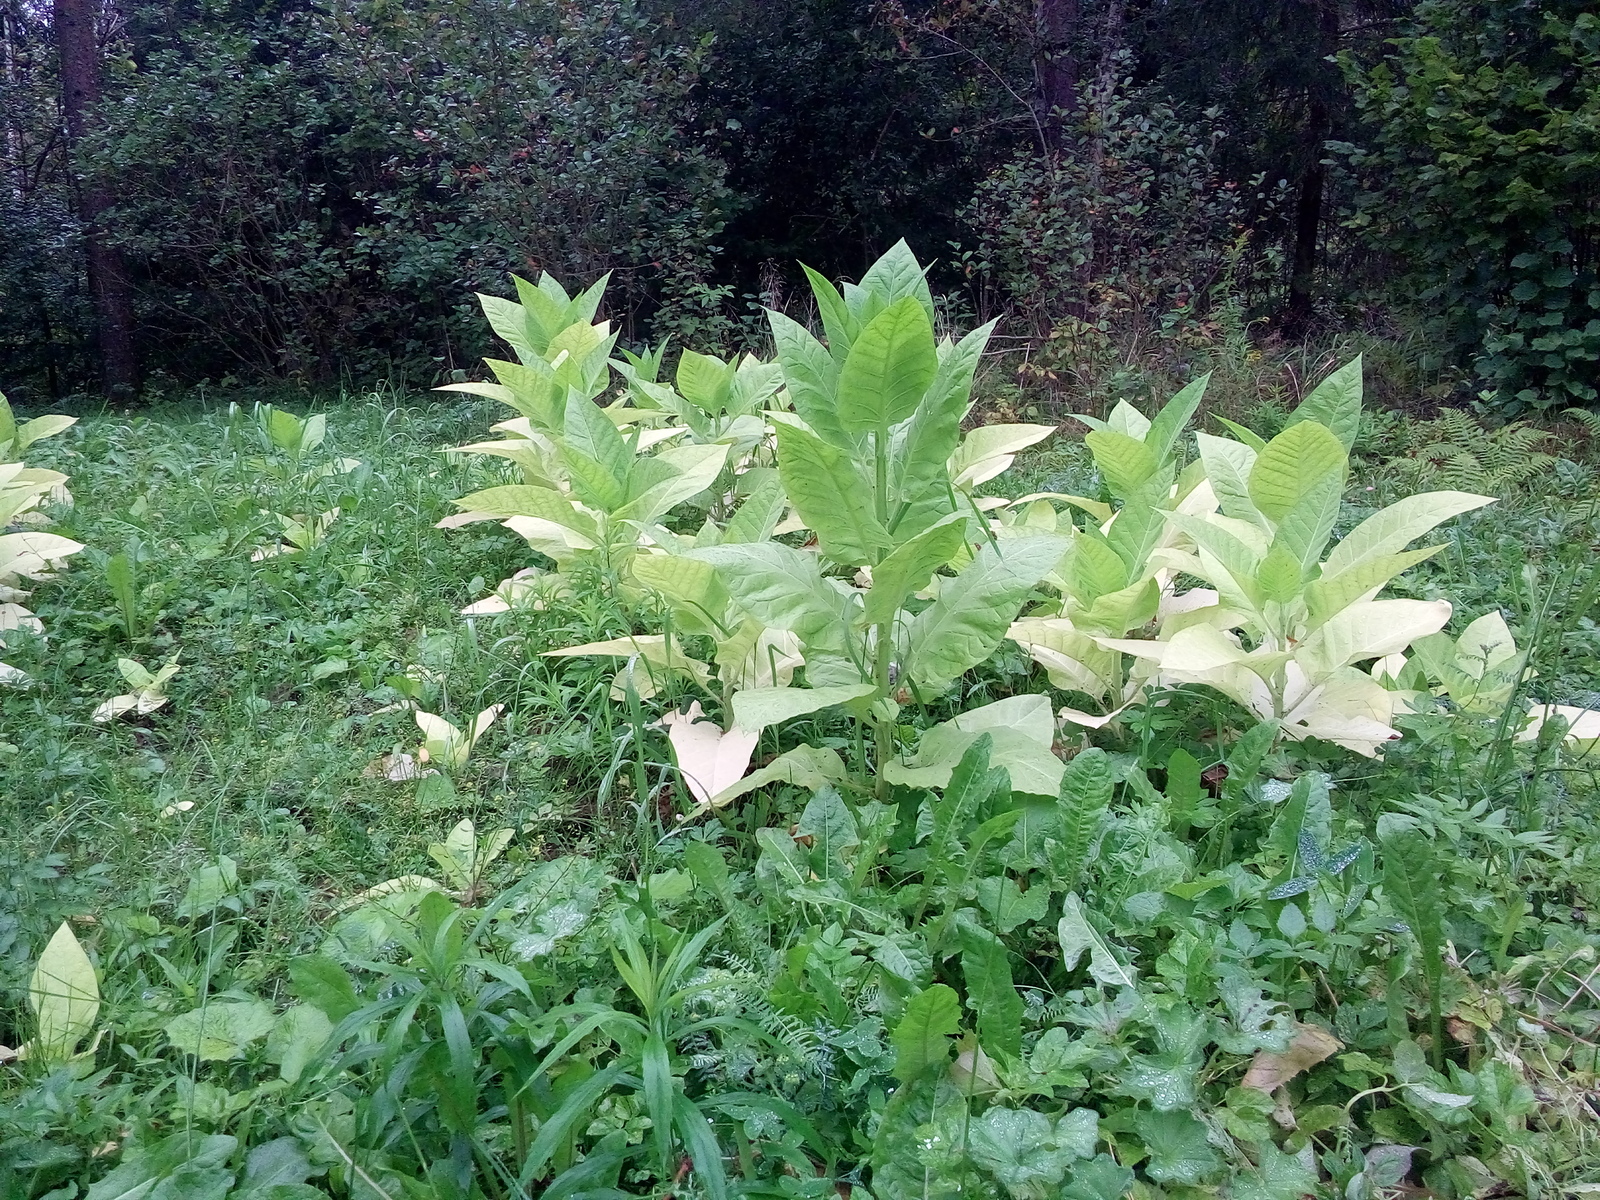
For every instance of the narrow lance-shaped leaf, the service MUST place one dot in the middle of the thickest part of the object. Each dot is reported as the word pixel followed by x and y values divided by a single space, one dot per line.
pixel 919 465
pixel 922 1038
pixel 1169 423
pixel 837 322
pixel 812 377
pixel 1411 878
pixel 991 993
pixel 1085 796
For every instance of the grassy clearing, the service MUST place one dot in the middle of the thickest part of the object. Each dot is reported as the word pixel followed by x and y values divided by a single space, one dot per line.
pixel 295 675
pixel 287 665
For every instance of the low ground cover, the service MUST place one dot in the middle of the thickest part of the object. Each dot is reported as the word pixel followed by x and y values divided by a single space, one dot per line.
pixel 1036 841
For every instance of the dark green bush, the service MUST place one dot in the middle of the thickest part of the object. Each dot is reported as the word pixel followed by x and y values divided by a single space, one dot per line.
pixel 1479 175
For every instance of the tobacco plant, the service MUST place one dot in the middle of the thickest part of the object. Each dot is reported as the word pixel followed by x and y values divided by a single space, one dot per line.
pixel 1288 616
pixel 589 492
pixel 865 461
pixel 26 551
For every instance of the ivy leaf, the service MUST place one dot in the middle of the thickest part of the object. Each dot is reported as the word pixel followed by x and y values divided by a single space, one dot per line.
pixel 1008 905
pixel 1278 1176
pixel 222 1029
pixel 1179 1152
pixel 1101 1178
pixel 1027 1152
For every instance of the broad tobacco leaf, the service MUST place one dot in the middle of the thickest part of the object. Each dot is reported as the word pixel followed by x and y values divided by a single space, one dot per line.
pixel 975 609
pixel 709 759
pixel 65 997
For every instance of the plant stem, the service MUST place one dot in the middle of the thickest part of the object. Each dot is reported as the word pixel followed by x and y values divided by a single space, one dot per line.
pixel 884 726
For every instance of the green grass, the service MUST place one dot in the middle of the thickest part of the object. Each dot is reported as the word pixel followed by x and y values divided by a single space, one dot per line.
pixel 295 674
pixel 288 664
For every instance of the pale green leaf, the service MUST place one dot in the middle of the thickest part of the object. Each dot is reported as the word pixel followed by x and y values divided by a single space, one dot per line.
pixel 919 473
pixel 1078 936
pixel 691 586
pixel 890 365
pixel 705 381
pixel 831 495
pixel 1303 531
pixel 1370 629
pixel 1296 462
pixel 510 322
pixel 806 767
pixel 1335 403
pixel 839 326
pixel 779 586
pixel 221 1029
pixel 1174 416
pixel 974 610
pixel 64 995
pixel 761 511
pixel 909 566
pixel 1128 465
pixel 38 429
pixel 1333 593
pixel 1228 465
pixel 1396 527
pixel 989 450
pixel 898 275
pixel 756 708
pixel 1022 729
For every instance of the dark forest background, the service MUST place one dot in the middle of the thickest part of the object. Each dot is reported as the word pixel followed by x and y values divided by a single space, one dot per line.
pixel 257 190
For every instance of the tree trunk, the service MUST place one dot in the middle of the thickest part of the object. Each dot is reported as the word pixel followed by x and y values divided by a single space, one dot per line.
pixel 1307 228
pixel 1055 66
pixel 17 176
pixel 108 280
pixel 1299 310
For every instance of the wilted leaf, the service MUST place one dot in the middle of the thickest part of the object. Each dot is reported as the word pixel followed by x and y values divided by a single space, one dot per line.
pixel 1270 1070
pixel 709 759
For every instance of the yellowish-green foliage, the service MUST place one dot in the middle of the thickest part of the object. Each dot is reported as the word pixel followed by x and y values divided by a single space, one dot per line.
pixel 27 553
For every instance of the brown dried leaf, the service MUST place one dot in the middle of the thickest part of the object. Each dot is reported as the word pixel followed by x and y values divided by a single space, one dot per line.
pixel 1311 1044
